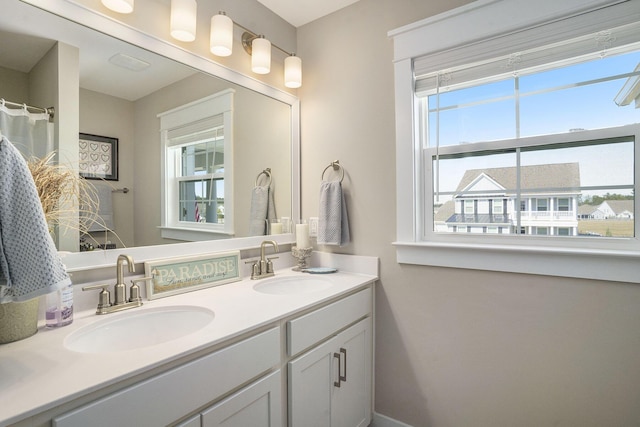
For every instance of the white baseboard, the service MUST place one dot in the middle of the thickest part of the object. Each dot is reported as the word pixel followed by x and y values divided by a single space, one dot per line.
pixel 380 420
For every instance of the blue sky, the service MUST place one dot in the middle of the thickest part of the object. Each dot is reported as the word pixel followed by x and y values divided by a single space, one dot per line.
pixel 547 106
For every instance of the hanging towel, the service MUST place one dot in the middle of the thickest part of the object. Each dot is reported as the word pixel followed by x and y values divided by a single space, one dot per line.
pixel 29 263
pixel 104 220
pixel 263 207
pixel 333 221
pixel 259 208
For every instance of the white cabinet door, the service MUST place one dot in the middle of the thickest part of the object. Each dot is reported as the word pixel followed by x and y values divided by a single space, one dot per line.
pixel 310 382
pixel 258 405
pixel 331 384
pixel 351 400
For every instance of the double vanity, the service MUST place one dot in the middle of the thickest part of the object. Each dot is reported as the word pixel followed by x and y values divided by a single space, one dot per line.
pixel 293 349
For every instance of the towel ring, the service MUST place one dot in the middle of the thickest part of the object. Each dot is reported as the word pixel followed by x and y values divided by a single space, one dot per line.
pixel 267 172
pixel 336 166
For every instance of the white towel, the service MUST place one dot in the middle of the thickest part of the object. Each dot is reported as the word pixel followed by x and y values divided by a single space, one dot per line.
pixel 333 221
pixel 104 220
pixel 29 263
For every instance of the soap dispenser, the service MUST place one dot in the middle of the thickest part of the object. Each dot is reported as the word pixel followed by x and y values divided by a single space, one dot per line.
pixel 59 310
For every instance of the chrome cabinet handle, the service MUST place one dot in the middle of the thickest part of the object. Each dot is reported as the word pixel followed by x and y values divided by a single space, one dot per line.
pixel 341 377
pixel 344 378
pixel 337 383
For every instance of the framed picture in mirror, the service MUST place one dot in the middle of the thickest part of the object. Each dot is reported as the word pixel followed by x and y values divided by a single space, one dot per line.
pixel 98 157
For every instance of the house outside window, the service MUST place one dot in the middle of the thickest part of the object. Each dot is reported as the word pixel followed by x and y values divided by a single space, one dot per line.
pixel 503 180
pixel 545 98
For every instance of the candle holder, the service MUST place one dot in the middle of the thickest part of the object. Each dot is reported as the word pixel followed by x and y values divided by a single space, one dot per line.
pixel 301 255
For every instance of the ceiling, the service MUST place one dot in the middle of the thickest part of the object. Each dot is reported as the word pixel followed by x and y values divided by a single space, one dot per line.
pixel 300 12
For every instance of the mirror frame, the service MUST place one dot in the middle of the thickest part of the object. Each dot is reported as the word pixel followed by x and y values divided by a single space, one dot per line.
pixel 84 261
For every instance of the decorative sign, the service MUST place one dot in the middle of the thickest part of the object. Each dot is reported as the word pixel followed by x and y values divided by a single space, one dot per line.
pixel 177 275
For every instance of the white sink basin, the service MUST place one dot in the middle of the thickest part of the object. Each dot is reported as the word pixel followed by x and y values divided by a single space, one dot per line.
pixel 137 329
pixel 292 285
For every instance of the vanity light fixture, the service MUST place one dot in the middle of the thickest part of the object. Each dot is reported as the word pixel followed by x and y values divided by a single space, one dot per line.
pixel 221 42
pixel 183 20
pixel 183 28
pixel 120 6
pixel 221 37
pixel 293 71
pixel 260 55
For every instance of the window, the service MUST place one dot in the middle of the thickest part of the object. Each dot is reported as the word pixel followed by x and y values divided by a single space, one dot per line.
pixel 542 119
pixel 199 175
pixel 563 205
pixel 469 207
pixel 497 206
pixel 197 142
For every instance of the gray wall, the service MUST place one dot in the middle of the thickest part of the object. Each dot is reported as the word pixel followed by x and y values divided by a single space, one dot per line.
pixel 107 115
pixel 454 347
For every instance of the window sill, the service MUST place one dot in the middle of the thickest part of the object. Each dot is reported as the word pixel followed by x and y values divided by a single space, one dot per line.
pixel 192 234
pixel 607 265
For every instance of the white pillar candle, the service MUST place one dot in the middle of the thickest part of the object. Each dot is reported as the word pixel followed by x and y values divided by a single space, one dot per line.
pixel 302 236
pixel 276 228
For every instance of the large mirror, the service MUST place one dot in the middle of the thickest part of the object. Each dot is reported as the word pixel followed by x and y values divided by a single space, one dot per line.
pixel 98 89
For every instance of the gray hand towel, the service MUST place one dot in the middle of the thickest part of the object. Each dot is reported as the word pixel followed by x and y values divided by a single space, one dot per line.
pixel 29 262
pixel 259 209
pixel 263 206
pixel 333 221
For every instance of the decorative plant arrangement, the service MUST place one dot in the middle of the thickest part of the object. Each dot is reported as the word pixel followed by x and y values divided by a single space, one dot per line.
pixel 62 193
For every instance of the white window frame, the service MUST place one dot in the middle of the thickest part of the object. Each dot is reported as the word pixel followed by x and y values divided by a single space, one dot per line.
pixel 220 103
pixel 516 25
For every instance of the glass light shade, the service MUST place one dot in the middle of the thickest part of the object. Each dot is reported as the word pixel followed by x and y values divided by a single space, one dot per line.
pixel 183 20
pixel 261 56
pixel 120 6
pixel 221 39
pixel 292 72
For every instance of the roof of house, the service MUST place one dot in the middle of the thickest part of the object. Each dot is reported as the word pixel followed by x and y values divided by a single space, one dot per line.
pixel 534 178
pixel 620 206
pixel 587 209
pixel 445 211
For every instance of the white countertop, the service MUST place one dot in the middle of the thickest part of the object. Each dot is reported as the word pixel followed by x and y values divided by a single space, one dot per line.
pixel 39 373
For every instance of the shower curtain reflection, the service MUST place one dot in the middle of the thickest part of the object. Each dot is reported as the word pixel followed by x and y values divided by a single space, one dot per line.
pixel 31 133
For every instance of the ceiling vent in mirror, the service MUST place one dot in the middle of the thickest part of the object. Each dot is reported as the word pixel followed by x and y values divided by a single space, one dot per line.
pixel 128 62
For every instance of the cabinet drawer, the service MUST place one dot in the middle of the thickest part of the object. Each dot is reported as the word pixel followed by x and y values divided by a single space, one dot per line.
pixel 167 397
pixel 258 405
pixel 311 328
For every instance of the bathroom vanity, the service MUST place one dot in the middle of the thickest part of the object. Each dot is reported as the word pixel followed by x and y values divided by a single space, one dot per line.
pixel 294 349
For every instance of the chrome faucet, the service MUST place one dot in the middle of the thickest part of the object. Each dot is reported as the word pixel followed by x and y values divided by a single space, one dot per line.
pixel 120 289
pixel 120 301
pixel 264 267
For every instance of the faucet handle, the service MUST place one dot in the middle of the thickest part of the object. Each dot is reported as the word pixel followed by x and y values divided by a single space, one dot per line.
pixel 134 290
pixel 104 298
pixel 255 268
pixel 270 264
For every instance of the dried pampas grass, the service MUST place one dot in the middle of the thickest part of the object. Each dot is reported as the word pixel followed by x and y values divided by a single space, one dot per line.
pixel 63 194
